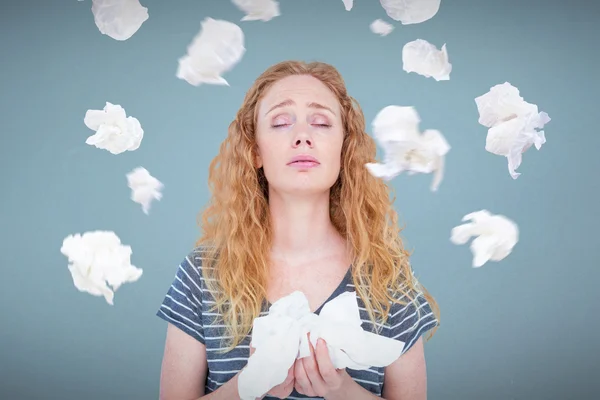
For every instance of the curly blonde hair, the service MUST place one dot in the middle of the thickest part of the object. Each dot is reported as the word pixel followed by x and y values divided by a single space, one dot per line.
pixel 237 230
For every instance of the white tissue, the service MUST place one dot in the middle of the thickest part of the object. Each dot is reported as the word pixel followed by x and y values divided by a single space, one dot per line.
pixel 380 27
pixel 119 19
pixel 396 129
pixel 216 49
pixel 282 336
pixel 97 258
pixel 276 338
pixel 348 4
pixel 513 124
pixel 258 10
pixel 496 236
pixel 410 11
pixel 144 188
pixel 115 131
pixel 425 59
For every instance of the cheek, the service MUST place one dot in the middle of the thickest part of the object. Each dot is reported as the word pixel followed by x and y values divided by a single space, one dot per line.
pixel 269 155
pixel 337 164
pixel 336 152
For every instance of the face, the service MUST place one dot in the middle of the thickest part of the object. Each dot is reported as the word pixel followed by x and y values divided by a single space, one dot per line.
pixel 299 136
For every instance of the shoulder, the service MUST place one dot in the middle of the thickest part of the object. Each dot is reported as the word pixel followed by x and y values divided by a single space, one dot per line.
pixel 196 258
pixel 411 314
pixel 195 264
pixel 183 303
pixel 189 280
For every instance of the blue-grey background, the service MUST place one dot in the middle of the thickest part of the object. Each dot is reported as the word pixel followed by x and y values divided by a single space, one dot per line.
pixel 524 328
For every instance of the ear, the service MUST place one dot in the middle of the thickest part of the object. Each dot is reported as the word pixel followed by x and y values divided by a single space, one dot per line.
pixel 257 159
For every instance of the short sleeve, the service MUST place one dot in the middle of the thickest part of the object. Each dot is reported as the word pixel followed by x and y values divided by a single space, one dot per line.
pixel 408 321
pixel 182 305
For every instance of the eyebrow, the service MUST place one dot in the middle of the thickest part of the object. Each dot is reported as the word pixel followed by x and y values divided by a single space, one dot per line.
pixel 290 102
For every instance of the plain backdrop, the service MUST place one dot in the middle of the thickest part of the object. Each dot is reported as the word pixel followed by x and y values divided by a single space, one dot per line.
pixel 523 328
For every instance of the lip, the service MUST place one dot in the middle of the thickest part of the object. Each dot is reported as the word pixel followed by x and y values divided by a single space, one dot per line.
pixel 304 160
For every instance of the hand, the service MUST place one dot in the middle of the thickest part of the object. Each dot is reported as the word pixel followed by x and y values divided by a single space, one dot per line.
pixel 284 389
pixel 315 375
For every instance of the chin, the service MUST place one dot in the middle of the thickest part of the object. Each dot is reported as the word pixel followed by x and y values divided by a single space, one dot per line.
pixel 302 188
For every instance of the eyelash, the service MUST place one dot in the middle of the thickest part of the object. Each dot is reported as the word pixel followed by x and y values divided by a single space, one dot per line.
pixel 319 125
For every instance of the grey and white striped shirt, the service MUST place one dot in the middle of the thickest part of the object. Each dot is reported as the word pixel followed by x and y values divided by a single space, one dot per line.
pixel 188 300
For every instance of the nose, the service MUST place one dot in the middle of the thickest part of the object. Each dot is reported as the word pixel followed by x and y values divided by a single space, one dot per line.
pixel 300 141
pixel 302 138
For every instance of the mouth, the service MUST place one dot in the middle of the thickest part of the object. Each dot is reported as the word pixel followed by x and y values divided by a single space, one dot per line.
pixel 303 163
pixel 303 160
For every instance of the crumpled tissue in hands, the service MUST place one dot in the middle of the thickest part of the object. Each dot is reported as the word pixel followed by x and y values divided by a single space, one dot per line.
pixel 410 11
pixel 119 19
pixel 115 131
pixel 425 59
pixel 396 128
pixel 144 188
pixel 258 10
pixel 380 27
pixel 216 49
pixel 282 336
pixel 496 236
pixel 513 124
pixel 98 259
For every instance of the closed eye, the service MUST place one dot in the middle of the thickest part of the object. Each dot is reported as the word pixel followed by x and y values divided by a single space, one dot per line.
pixel 284 125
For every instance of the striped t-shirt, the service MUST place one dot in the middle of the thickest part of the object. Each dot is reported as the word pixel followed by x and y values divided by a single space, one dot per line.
pixel 188 301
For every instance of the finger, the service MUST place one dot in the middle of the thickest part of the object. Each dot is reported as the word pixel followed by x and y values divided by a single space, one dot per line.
pixel 312 371
pixel 289 387
pixel 281 391
pixel 290 376
pixel 326 369
pixel 289 380
pixel 302 384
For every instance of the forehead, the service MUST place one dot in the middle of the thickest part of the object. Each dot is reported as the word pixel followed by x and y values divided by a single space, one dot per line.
pixel 302 89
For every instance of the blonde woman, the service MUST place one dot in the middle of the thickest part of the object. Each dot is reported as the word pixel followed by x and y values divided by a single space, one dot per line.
pixel 294 208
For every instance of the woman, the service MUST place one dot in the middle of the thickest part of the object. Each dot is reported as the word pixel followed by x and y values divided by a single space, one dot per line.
pixel 294 208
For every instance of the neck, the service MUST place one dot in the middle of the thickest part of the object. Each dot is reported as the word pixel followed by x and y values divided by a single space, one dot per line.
pixel 302 226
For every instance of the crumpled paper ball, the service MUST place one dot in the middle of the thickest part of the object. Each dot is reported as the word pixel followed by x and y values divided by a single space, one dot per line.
pixel 216 49
pixel 115 132
pixel 119 19
pixel 144 188
pixel 425 59
pixel 411 11
pixel 99 263
pixel 381 28
pixel 514 124
pixel 396 129
pixel 258 10
pixel 495 236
